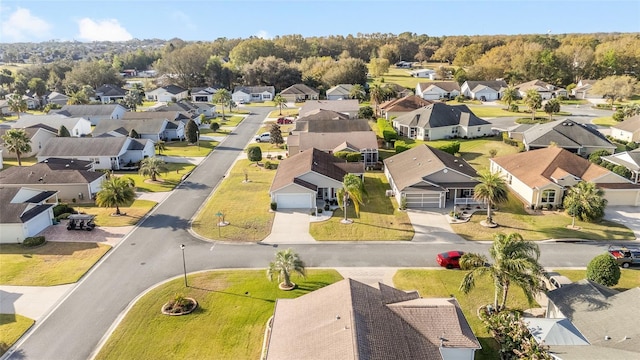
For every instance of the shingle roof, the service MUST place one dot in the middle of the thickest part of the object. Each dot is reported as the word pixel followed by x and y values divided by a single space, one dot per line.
pixel 299 89
pixel 320 114
pixel 111 90
pixel 304 124
pixel 351 320
pixel 172 89
pixel 161 114
pixel 31 131
pixel 417 164
pixel 496 85
pixel 81 147
pixel 438 115
pixel 444 85
pixel 52 172
pixel 405 104
pixel 565 133
pixel 340 89
pixel 631 124
pixel 334 105
pixel 16 212
pixel 629 159
pixel 52 121
pixel 534 84
pixel 255 89
pixel 90 110
pixel 141 126
pixel 328 141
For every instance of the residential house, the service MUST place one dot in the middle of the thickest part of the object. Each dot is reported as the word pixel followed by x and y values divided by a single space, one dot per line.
pixel 311 175
pixel 31 100
pixel 347 107
pixel 438 90
pixel 177 119
pixel 541 177
pixel 628 130
pixel 424 73
pixel 396 107
pixel 484 90
pixel 299 93
pixel 441 121
pixel 404 64
pixel 109 93
pixel 154 129
pixel 583 90
pixel 25 212
pixel 169 93
pixel 247 94
pixel 340 92
pixel 352 320
pixel 334 136
pixel 605 322
pixel 425 177
pixel 5 110
pixel 628 159
pixel 567 134
pixel 93 113
pixel 77 126
pixel 320 114
pixel 190 110
pixel 546 90
pixel 72 180
pixel 399 91
pixel 203 94
pixel 38 136
pixel 57 98
pixel 113 153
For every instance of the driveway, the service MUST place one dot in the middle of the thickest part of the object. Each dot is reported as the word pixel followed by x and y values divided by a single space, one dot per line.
pixel 100 234
pixel 290 226
pixel 628 216
pixel 431 226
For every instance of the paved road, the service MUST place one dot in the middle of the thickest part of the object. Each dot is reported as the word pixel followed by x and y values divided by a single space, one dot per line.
pixel 582 114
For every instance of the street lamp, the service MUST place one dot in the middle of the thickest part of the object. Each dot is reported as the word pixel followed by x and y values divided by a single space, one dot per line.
pixel 184 266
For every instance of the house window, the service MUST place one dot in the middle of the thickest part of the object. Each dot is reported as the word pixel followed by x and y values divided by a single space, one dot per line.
pixel 467 193
pixel 549 196
pixel 478 129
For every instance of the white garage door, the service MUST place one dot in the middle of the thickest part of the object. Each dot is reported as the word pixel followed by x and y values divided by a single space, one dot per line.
pixel 423 200
pixel 294 201
pixel 622 197
pixel 38 223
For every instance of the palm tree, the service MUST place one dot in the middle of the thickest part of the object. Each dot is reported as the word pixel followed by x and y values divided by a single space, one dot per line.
pixel 352 188
pixel 280 102
pixel 357 92
pixel 509 95
pixel 492 189
pixel 160 146
pixel 152 167
pixel 552 106
pixel 17 104
pixel 533 101
pixel 116 191
pixel 377 96
pixel 514 261
pixel 285 263
pixel 222 97
pixel 17 141
pixel 586 201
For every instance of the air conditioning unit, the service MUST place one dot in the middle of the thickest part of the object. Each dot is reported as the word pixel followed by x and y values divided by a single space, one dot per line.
pixel 389 193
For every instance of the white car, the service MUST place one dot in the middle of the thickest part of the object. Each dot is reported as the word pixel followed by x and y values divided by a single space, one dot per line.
pixel 264 137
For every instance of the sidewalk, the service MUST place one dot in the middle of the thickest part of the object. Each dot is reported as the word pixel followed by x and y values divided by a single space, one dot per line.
pixel 33 302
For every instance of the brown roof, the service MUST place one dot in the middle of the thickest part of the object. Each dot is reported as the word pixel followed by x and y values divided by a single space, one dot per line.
pixel 536 168
pixel 632 124
pixel 444 85
pixel 333 125
pixel 299 89
pixel 351 320
pixel 405 104
pixel 327 141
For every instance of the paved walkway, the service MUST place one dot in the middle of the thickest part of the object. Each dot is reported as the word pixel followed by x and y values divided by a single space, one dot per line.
pixel 182 159
pixel 432 227
pixel 33 302
pixel 369 275
pixel 290 226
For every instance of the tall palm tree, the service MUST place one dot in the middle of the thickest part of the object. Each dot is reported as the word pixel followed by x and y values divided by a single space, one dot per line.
pixel 280 102
pixel 357 92
pixel 492 190
pixel 152 167
pixel 509 95
pixel 586 201
pixel 285 264
pixel 17 141
pixel 222 97
pixel 160 146
pixel 115 192
pixel 352 188
pixel 514 261
pixel 17 104
pixel 377 96
pixel 533 101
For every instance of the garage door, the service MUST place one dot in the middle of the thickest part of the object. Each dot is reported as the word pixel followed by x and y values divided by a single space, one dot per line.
pixel 622 197
pixel 423 200
pixel 38 223
pixel 294 201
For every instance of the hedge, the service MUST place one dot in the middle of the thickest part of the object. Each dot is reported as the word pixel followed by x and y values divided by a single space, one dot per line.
pixel 388 132
pixel 33 241
pixel 401 146
pixel 451 148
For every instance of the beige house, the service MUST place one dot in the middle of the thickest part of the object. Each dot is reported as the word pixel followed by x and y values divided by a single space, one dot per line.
pixel 347 107
pixel 628 130
pixel 396 107
pixel 541 177
pixel 438 90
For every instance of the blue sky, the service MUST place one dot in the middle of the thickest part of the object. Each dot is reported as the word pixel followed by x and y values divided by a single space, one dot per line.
pixel 94 20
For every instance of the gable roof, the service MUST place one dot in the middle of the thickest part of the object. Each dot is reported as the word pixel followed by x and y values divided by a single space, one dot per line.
pixel 110 90
pixel 536 168
pixel 629 159
pixel 340 89
pixel 534 84
pixel 83 147
pixel 15 212
pixel 331 125
pixel 32 131
pixel 416 164
pixel 342 106
pixel 631 124
pixel 321 114
pixel 170 115
pixel 351 320
pixel 565 133
pixel 328 141
pixel 301 89
pixel 405 104
pixel 152 126
pixel 439 115
pixel 51 121
pixel 255 89
pixel 447 86
pixel 51 171
pixel 89 110
pixel 171 89
pixel 496 85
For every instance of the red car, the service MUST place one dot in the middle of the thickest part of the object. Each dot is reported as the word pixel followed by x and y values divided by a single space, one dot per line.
pixel 284 121
pixel 450 259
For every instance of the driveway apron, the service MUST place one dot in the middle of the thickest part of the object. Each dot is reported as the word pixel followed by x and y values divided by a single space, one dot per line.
pixel 432 227
pixel 290 226
pixel 628 216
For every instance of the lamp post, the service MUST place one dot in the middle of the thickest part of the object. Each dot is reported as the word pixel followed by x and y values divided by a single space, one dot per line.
pixel 219 214
pixel 184 266
pixel 198 141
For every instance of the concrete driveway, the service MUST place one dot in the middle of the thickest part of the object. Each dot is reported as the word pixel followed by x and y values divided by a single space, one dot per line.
pixel 290 226
pixel 628 216
pixel 100 234
pixel 431 226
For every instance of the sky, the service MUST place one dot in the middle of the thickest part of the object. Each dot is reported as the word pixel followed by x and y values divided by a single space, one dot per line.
pixel 207 20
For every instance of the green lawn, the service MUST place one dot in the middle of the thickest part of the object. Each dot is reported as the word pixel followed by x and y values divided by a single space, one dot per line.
pixel 165 182
pixel 379 218
pixel 552 225
pixel 629 278
pixel 12 326
pixel 232 121
pixel 7 163
pixel 131 214
pixel 267 148
pixel 604 121
pixel 491 111
pixel 183 148
pixel 249 220
pixel 445 283
pixel 229 323
pixel 54 263
pixel 285 112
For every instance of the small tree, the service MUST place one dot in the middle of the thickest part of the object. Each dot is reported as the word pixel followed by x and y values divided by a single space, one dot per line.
pixel 222 97
pixel 493 153
pixel 254 153
pixel 365 112
pixel 492 189
pixel 280 102
pixel 160 146
pixel 285 264
pixel 214 126
pixel 585 201
pixel 509 95
pixel 552 106
pixel 152 167
pixel 275 135
pixel 604 270
pixel 63 131
pixel 17 104
pixel 191 132
pixel 533 101
pixel 115 192
pixel 352 188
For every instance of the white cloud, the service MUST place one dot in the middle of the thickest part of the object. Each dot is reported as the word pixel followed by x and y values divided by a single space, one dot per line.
pixel 21 25
pixel 263 34
pixel 102 30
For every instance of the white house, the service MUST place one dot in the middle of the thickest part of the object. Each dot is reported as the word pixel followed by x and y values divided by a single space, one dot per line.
pixel 247 94
pixel 25 212
pixel 93 113
pixel 438 90
pixel 339 92
pixel 484 90
pixel 203 94
pixel 77 126
pixel 628 130
pixel 424 73
pixel 167 93
pixel 38 136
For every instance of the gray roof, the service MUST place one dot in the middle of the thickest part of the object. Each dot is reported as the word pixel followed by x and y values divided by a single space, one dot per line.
pixel 137 144
pixel 160 114
pixel 53 121
pixel 16 212
pixel 631 124
pixel 496 85
pixel 141 126
pixel 172 89
pixel 351 320
pixel 340 89
pixel 110 90
pixel 439 115
pixel 299 89
pixel 628 159
pixel 332 125
pixel 52 171
pixel 444 85
pixel 82 147
pixel 333 105
pixel 255 89
pixel 329 141
pixel 555 331
pixel 320 114
pixel 89 110
pixel 566 134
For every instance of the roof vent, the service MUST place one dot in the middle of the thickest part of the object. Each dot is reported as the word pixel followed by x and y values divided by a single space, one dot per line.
pixel 414 159
pixel 455 160
pixel 67 165
pixel 565 124
pixel 337 317
pixel 607 337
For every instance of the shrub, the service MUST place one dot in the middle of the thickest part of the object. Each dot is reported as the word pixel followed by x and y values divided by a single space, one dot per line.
pixel 254 153
pixel 326 207
pixel 63 208
pixel 214 126
pixel 365 112
pixel 451 148
pixel 460 98
pixel 274 206
pixel 354 157
pixel 604 270
pixel 388 132
pixel 341 154
pixel 319 210
pixel 279 157
pixel 401 146
pixel 62 216
pixel 33 241
pixel 267 165
pixel 514 108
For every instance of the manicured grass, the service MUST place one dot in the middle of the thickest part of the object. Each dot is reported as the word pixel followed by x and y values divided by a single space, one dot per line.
pixel 12 326
pixel 573 102
pixel 7 163
pixel 131 213
pixel 285 112
pixel 604 121
pixel 166 181
pixel 629 278
pixel 267 148
pixel 445 283
pixel 54 263
pixel 491 111
pixel 551 225
pixel 528 120
pixel 229 323
pixel 379 218
pixel 229 120
pixel 183 148
pixel 249 220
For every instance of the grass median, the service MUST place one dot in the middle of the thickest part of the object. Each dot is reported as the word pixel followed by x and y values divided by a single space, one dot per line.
pixel 12 326
pixel 167 180
pixel 131 213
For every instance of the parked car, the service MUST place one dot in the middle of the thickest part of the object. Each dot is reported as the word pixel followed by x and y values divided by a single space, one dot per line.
pixel 450 259
pixel 264 137
pixel 554 280
pixel 624 256
pixel 284 121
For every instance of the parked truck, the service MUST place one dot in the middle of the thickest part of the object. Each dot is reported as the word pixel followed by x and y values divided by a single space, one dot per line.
pixel 625 256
